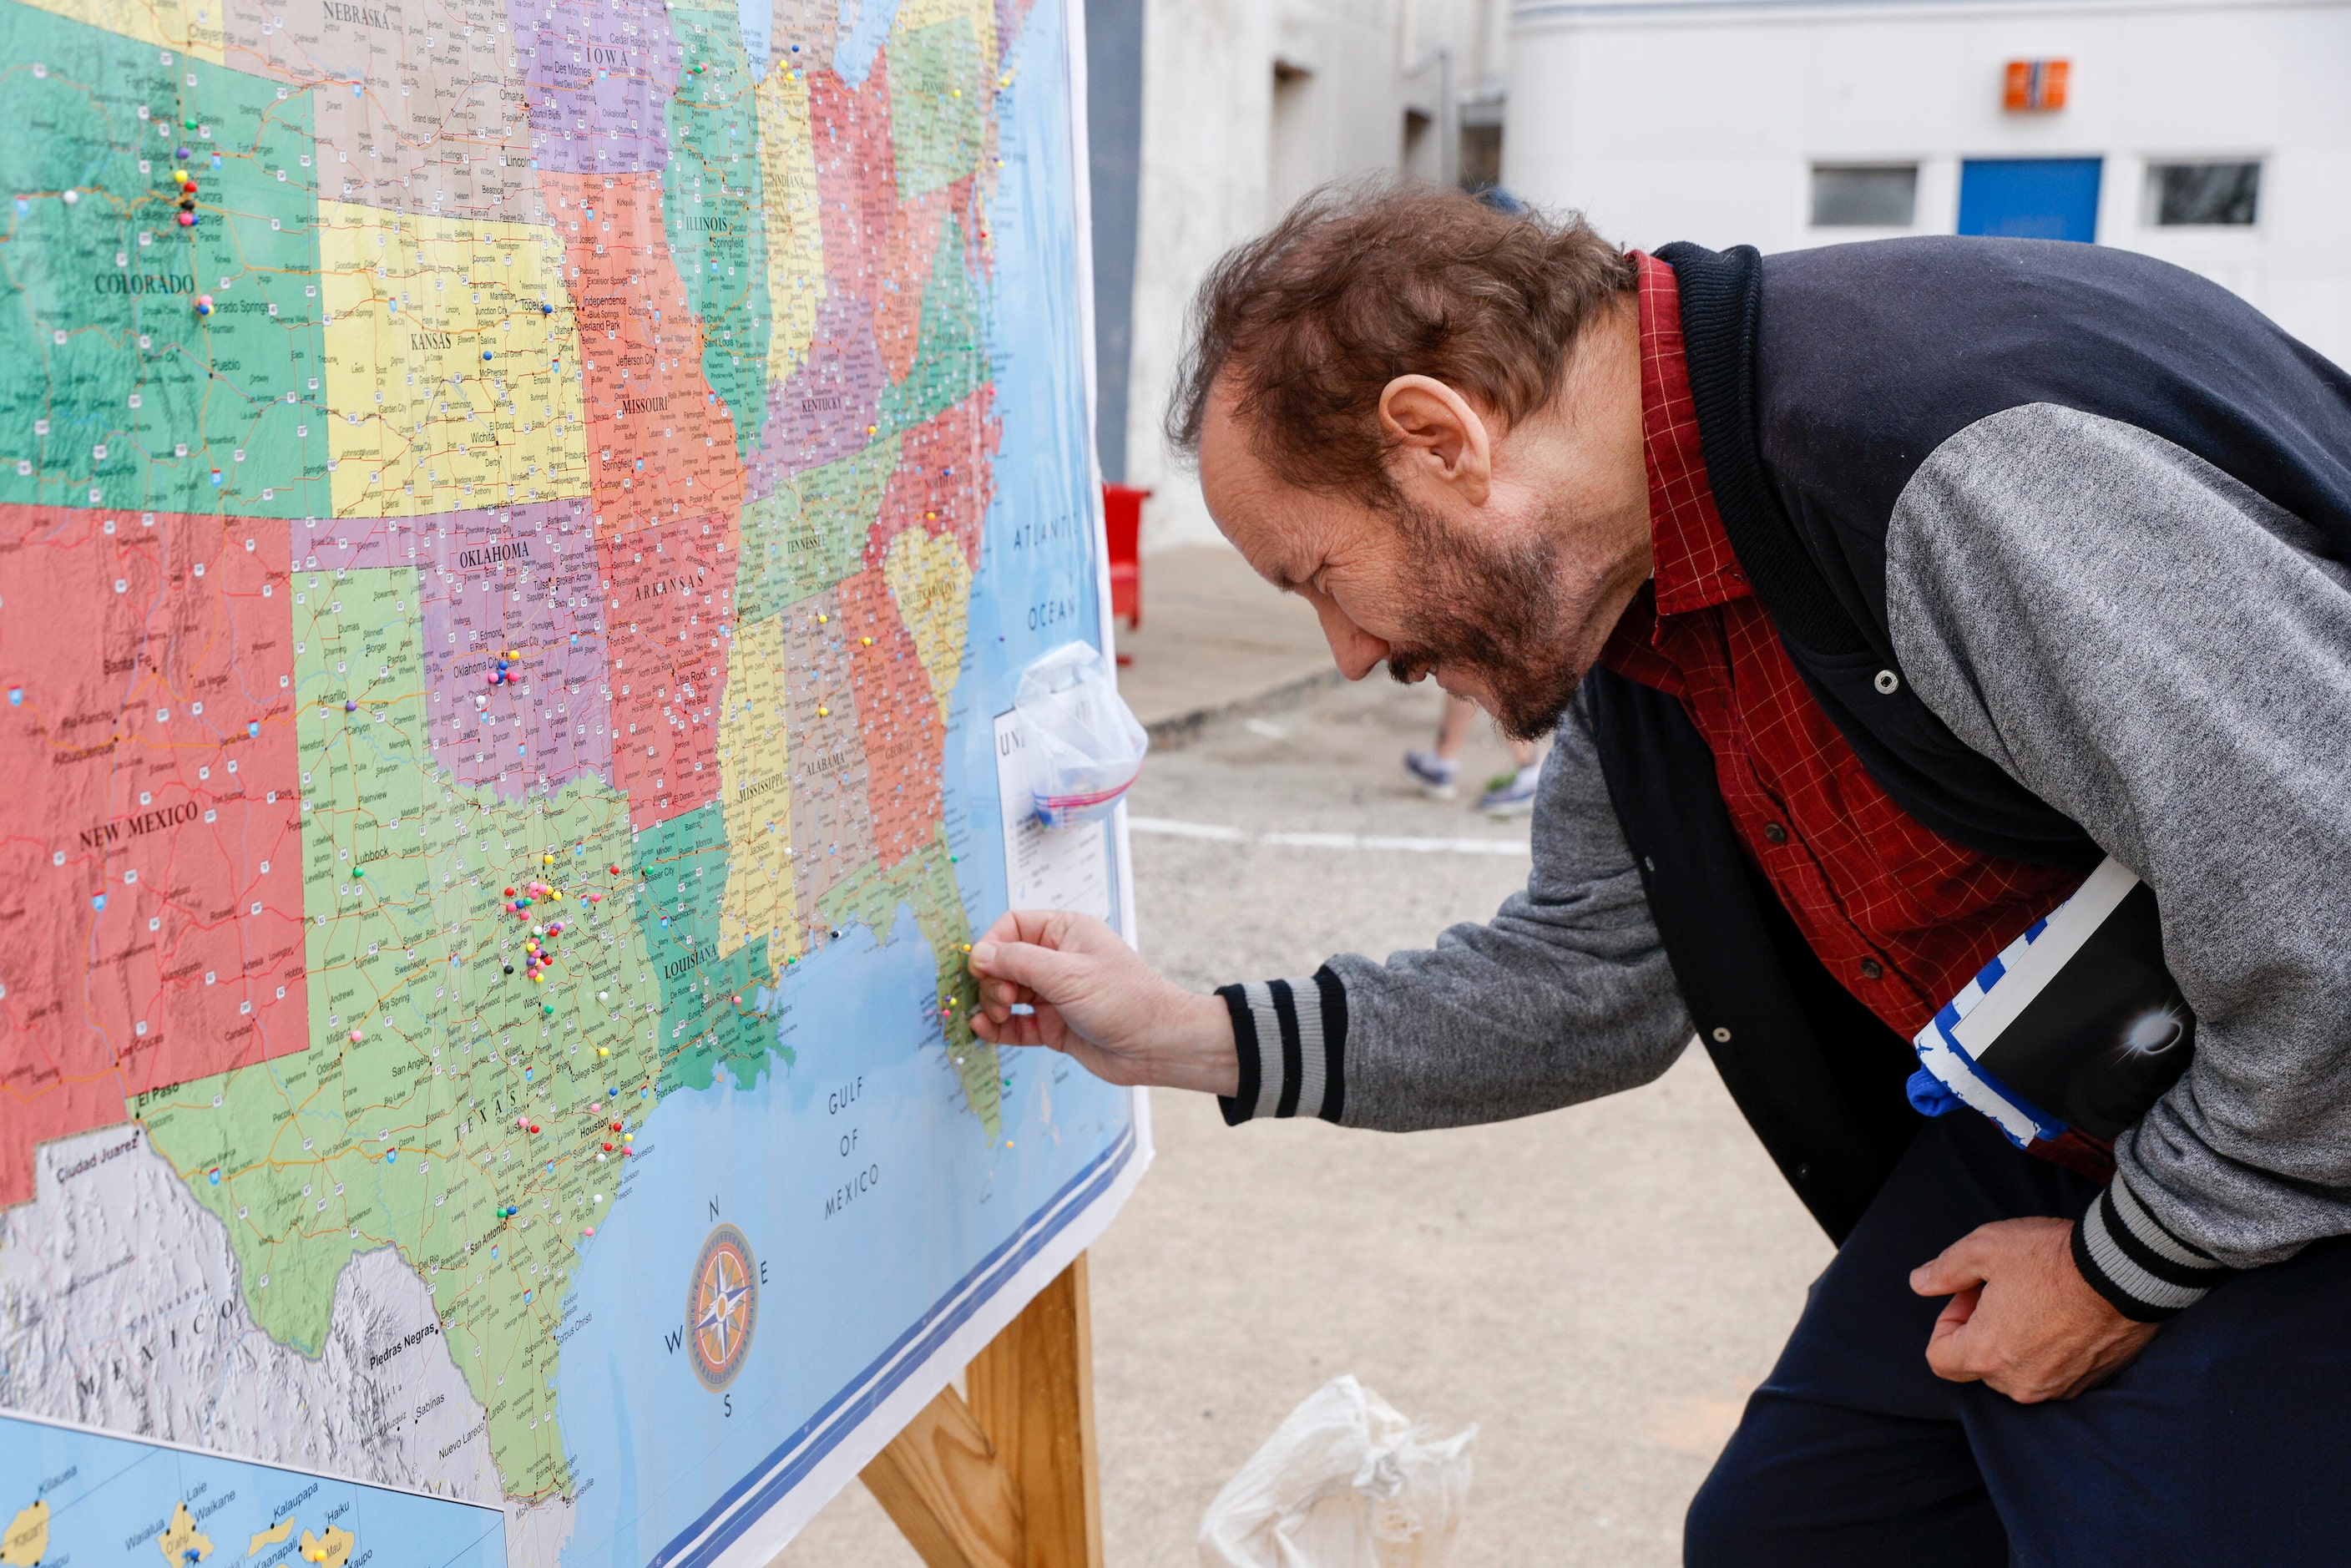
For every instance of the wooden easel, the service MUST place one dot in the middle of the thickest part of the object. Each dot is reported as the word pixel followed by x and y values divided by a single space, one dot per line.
pixel 1005 1477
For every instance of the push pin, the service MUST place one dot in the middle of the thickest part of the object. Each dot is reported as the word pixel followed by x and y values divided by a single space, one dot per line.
pixel 356 1037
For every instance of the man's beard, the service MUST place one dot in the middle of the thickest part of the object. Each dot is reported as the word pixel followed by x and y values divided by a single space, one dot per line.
pixel 1497 612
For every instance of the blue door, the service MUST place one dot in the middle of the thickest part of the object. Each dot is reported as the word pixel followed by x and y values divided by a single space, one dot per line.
pixel 2030 198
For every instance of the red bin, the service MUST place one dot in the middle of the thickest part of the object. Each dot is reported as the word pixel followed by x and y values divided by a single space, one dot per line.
pixel 1123 521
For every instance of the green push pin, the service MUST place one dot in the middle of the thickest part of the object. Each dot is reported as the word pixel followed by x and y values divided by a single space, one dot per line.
pixel 547 1008
pixel 358 871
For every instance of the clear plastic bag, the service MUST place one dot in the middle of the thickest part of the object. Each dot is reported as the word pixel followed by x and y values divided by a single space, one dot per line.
pixel 1344 1482
pixel 1083 745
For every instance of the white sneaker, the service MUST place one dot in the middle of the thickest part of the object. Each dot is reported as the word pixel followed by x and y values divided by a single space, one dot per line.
pixel 1511 794
pixel 1437 776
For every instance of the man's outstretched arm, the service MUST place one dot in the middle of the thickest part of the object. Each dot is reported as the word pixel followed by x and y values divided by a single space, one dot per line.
pixel 1563 996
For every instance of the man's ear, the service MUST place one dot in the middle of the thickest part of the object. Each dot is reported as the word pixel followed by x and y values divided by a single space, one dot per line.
pixel 1435 436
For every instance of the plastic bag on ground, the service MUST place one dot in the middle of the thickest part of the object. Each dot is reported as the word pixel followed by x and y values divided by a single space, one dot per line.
pixel 1344 1482
pixel 1084 746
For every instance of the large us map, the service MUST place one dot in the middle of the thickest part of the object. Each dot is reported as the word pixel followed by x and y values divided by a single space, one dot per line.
pixel 520 521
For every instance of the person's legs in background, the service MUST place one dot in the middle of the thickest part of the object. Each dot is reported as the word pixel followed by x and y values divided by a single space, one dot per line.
pixel 1438 768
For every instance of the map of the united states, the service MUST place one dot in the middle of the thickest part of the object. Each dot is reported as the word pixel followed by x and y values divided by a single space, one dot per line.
pixel 491 496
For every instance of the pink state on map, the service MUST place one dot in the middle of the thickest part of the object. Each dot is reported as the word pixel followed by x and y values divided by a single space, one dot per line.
pixel 820 412
pixel 151 881
pixel 514 581
pixel 598 79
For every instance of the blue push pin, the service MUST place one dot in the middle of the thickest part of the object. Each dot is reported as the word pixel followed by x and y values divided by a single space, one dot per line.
pixel 545 309
pixel 486 353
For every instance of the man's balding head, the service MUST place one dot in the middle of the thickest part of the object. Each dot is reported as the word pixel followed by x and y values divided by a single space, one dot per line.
pixel 1423 415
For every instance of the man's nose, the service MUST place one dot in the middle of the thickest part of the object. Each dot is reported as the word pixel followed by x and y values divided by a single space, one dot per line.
pixel 1355 651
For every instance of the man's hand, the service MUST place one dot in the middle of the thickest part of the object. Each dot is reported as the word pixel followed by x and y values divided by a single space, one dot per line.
pixel 1099 1003
pixel 2020 1317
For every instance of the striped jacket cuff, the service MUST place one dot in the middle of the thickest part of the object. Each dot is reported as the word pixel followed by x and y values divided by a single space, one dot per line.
pixel 2127 1256
pixel 1292 1039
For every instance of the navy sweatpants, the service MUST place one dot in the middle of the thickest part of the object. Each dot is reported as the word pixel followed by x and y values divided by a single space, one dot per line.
pixel 2227 1441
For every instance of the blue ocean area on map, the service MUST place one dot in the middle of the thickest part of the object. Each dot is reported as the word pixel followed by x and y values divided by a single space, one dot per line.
pixel 863 1183
pixel 114 1499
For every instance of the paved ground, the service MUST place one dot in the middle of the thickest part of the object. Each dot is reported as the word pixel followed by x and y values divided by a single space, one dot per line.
pixel 1216 640
pixel 1597 1289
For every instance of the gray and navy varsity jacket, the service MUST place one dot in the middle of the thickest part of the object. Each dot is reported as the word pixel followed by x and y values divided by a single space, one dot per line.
pixel 2056 535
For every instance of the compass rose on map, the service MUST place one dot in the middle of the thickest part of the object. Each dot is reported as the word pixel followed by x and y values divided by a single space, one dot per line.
pixel 721 1308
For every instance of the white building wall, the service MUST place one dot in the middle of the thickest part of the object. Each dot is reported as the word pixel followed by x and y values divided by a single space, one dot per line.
pixel 1221 159
pixel 1669 120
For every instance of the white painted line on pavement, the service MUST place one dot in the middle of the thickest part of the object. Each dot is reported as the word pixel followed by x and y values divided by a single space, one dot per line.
pixel 1167 827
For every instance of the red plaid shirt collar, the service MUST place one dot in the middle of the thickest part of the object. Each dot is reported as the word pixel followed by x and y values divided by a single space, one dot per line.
pixel 1693 566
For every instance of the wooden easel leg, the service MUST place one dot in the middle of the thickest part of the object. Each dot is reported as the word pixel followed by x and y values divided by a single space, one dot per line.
pixel 1033 1391
pixel 1007 1479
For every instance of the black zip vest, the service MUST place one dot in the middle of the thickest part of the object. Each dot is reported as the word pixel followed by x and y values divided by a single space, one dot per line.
pixel 1822 380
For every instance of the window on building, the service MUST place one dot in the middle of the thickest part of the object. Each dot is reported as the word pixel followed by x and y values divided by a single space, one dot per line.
pixel 1291 157
pixel 2178 194
pixel 1420 150
pixel 1482 157
pixel 1865 195
pixel 1482 145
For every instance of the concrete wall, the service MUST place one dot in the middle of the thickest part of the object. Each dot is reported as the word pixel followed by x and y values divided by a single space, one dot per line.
pixel 1672 120
pixel 1229 140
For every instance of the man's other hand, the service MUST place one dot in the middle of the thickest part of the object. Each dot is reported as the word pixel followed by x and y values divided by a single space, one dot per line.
pixel 2020 1317
pixel 1093 999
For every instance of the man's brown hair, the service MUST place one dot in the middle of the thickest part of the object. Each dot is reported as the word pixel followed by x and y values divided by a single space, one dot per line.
pixel 1365 282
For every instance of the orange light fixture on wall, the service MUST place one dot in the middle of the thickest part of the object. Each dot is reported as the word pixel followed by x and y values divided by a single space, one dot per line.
pixel 2036 86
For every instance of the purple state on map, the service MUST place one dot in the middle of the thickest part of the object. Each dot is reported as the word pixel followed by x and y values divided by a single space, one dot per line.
pixel 820 412
pixel 599 80
pixel 512 581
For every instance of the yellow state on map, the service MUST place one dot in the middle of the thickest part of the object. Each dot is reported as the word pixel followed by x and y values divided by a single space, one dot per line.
pixel 332 1550
pixel 980 14
pixel 931 582
pixel 27 1540
pixel 270 1537
pixel 171 24
pixel 756 800
pixel 181 1543
pixel 420 421
pixel 795 240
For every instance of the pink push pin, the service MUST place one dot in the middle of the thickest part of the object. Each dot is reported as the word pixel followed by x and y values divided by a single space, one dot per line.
pixel 355 1037
pixel 588 1231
